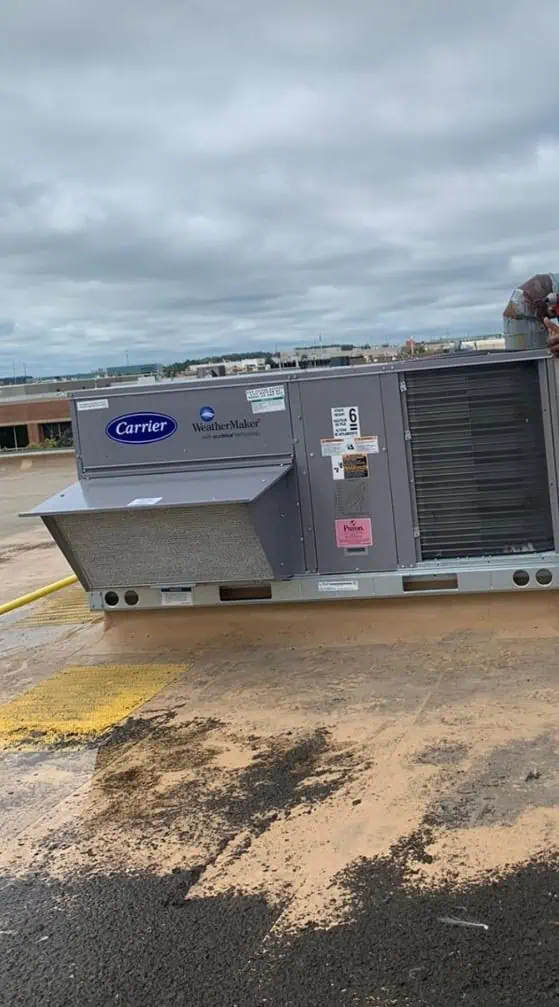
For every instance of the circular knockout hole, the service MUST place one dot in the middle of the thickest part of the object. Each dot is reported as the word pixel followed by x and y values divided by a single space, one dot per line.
pixel 111 598
pixel 521 578
pixel 544 577
pixel 131 598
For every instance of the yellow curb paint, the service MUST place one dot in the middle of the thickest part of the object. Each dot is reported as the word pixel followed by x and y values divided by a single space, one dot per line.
pixel 80 703
pixel 68 608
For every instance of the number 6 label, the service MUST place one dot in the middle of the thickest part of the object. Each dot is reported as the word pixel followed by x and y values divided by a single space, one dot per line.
pixel 345 421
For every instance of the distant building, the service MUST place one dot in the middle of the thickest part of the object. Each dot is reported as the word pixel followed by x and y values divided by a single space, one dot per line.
pixel 305 357
pixel 78 376
pixel 435 346
pixel 209 370
pixel 245 366
pixel 496 342
pixel 381 354
pixel 126 369
pixel 39 411
pixel 20 379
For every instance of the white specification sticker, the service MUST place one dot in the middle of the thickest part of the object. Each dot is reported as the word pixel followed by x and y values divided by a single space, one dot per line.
pixel 177 596
pixel 269 405
pixel 266 392
pixel 144 501
pixel 86 404
pixel 345 421
pixel 338 467
pixel 270 399
pixel 338 586
pixel 367 445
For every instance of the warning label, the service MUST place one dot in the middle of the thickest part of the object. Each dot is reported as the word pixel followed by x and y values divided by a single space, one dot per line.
pixel 332 446
pixel 347 449
pixel 369 445
pixel 352 532
pixel 356 466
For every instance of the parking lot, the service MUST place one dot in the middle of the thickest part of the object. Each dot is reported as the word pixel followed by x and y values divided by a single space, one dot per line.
pixel 24 483
pixel 347 803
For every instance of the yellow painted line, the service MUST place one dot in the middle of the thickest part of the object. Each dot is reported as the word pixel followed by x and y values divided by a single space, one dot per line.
pixel 26 599
pixel 80 703
pixel 70 607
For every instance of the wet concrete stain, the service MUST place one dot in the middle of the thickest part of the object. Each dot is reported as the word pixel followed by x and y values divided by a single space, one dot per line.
pixel 168 749
pixel 443 754
pixel 30 781
pixel 102 937
pixel 396 950
pixel 136 940
pixel 130 731
pixel 281 777
pixel 282 772
pixel 7 553
pixel 169 790
pixel 512 779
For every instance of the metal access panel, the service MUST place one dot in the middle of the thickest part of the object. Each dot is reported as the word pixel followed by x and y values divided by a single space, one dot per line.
pixel 179 426
pixel 352 510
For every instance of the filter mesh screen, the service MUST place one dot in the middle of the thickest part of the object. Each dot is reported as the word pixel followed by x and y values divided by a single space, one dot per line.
pixel 176 545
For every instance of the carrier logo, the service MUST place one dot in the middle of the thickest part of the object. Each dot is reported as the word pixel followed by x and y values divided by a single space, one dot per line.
pixel 141 428
pixel 207 414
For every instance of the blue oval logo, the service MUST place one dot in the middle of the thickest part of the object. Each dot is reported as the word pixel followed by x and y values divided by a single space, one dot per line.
pixel 207 414
pixel 141 428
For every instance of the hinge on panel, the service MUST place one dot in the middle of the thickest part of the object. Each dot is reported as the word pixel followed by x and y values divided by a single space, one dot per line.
pixel 403 386
pixel 416 532
pixel 407 435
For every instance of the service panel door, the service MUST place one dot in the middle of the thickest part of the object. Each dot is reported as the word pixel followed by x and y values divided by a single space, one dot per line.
pixel 349 478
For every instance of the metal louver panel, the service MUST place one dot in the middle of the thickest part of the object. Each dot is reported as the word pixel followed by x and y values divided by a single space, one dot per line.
pixel 479 460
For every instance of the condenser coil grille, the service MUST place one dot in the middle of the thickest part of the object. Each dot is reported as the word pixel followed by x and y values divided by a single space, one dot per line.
pixel 478 452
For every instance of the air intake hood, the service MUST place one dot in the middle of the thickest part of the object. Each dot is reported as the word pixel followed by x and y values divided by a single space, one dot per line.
pixel 177 487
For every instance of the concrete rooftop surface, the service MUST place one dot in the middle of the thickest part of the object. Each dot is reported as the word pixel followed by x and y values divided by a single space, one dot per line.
pixel 345 803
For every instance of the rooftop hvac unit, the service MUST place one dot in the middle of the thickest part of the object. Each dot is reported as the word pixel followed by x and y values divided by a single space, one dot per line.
pixel 433 476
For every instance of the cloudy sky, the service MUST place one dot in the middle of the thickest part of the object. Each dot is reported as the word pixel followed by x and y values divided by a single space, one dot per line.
pixel 189 176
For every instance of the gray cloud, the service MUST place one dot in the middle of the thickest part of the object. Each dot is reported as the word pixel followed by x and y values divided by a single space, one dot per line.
pixel 204 176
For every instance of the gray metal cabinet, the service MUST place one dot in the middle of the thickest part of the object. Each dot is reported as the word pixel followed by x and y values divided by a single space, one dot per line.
pixel 350 492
